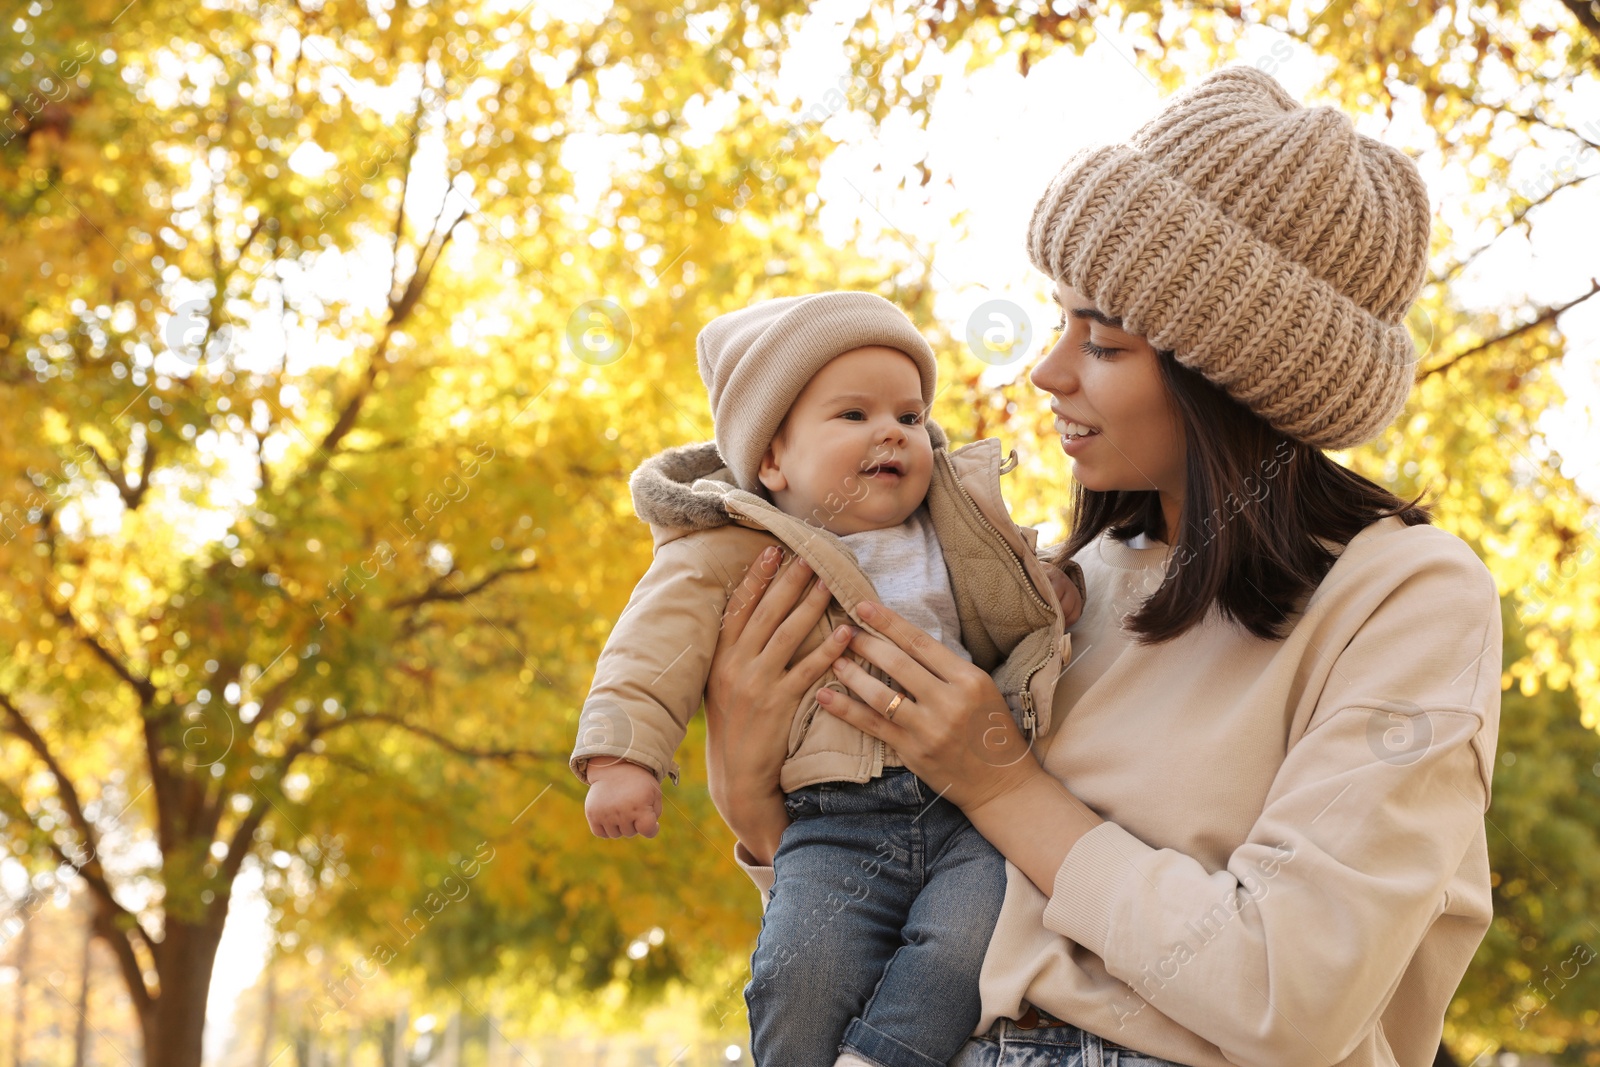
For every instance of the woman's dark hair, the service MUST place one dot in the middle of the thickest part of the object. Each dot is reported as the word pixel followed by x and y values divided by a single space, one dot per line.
pixel 1255 505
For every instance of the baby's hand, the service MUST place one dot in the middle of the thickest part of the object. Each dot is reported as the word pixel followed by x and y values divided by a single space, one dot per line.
pixel 624 798
pixel 1067 593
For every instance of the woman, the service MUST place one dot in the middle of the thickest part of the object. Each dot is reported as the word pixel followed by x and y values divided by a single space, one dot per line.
pixel 1255 836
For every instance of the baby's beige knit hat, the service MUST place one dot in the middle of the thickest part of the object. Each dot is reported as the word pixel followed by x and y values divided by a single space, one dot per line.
pixel 1269 246
pixel 755 361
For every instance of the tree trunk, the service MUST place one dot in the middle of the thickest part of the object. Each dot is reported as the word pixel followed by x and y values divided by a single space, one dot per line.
pixel 19 1019
pixel 450 1043
pixel 397 1055
pixel 80 1043
pixel 269 1013
pixel 175 1023
pixel 495 1052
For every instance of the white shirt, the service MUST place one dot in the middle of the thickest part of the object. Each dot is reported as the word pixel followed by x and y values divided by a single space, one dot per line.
pixel 905 564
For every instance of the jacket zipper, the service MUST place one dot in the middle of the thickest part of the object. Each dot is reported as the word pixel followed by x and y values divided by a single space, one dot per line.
pixel 1022 571
pixel 1030 718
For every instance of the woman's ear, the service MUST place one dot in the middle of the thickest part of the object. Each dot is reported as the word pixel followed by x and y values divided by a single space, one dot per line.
pixel 769 475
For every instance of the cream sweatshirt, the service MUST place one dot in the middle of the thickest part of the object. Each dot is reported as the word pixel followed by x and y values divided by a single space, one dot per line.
pixel 1294 868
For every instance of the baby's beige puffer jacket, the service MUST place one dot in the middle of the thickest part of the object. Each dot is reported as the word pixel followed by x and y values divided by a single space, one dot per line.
pixel 652 673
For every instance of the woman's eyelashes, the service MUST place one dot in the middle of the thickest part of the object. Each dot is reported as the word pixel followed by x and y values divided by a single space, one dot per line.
pixel 1086 345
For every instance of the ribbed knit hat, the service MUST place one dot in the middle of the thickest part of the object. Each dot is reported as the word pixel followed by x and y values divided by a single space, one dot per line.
pixel 755 361
pixel 1269 246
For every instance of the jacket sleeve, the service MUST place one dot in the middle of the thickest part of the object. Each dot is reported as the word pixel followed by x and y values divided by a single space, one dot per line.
pixel 1289 954
pixel 651 675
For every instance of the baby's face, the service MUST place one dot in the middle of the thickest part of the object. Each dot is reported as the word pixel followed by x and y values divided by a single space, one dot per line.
pixel 853 453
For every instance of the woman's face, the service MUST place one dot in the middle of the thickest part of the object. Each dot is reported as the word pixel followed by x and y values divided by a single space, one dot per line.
pixel 1115 417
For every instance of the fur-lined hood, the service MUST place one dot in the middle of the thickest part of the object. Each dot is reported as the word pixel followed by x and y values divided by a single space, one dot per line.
pixel 685 488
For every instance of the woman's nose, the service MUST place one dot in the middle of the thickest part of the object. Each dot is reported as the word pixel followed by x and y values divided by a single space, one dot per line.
pixel 1056 373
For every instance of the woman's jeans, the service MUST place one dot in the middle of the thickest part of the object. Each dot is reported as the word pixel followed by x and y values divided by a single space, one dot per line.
pixel 1006 1044
pixel 876 926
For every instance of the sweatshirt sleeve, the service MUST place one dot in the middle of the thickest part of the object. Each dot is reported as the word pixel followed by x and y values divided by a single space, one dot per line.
pixel 763 877
pixel 1289 954
pixel 651 675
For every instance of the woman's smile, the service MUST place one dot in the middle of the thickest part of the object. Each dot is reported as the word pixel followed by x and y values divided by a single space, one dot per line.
pixel 1073 433
pixel 1105 383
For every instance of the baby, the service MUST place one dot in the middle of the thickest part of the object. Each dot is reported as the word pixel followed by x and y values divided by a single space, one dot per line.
pixel 823 447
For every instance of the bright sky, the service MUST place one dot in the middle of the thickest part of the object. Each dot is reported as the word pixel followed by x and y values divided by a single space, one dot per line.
pixel 999 138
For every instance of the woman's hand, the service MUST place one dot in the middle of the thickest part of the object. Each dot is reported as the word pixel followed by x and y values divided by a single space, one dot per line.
pixel 752 694
pixel 952 728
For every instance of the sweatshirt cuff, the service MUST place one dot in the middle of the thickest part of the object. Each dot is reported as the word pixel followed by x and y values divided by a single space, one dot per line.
pixel 1090 882
pixel 763 877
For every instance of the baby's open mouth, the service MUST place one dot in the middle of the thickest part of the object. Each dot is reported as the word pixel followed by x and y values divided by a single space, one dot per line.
pixel 893 466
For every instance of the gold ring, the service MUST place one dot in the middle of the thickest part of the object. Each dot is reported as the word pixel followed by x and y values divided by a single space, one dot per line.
pixel 888 712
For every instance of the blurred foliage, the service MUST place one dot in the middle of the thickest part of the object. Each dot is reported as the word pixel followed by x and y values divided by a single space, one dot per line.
pixel 313 475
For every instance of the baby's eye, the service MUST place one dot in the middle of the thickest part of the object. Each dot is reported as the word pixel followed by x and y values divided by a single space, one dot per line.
pixel 855 416
pixel 912 418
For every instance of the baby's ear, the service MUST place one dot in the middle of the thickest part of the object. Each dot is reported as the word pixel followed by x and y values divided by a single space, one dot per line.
pixel 769 475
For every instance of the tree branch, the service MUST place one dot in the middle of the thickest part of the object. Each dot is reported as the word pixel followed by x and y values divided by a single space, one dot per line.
pixel 1517 216
pixel 401 309
pixel 350 412
pixel 1584 11
pixel 405 186
pixel 437 592
pixel 239 843
pixel 105 924
pixel 142 686
pixel 90 870
pixel 132 495
pixel 499 754
pixel 1546 315
pixel 18 725
pixel 1534 119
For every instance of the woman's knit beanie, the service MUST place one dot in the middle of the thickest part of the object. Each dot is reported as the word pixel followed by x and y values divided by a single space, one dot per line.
pixel 1269 246
pixel 756 360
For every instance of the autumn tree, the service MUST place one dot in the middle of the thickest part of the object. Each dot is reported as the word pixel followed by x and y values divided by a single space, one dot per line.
pixel 308 438
pixel 331 333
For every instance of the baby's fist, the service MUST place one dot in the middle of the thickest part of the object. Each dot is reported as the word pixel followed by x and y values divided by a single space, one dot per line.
pixel 624 798
pixel 1067 593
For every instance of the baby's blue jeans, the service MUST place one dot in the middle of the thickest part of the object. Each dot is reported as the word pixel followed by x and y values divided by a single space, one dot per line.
pixel 883 903
pixel 1005 1044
